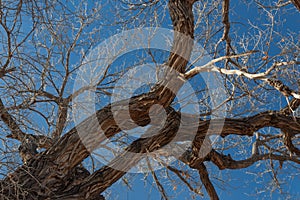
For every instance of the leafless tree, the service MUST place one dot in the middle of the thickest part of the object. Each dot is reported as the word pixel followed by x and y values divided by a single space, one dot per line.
pixel 45 43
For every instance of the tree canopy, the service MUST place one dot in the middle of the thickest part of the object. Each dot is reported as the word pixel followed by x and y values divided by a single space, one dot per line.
pixel 181 91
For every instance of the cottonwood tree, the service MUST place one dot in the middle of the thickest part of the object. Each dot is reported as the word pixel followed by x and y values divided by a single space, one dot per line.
pixel 45 43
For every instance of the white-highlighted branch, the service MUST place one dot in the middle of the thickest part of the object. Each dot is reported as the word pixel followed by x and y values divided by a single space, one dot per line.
pixel 210 66
pixel 278 85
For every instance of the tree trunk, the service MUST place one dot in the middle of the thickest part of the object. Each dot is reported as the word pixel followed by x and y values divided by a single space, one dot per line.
pixel 55 172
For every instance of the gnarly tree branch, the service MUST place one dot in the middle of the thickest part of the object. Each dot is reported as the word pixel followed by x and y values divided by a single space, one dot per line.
pixel 11 123
pixel 62 117
pixel 69 151
pixel 225 21
pixel 4 71
pixel 287 139
pixel 67 157
pixel 107 175
pixel 293 105
pixel 159 185
pixel 210 66
pixel 182 17
pixel 226 162
pixel 45 175
pixel 242 127
pixel 206 182
pixel 277 84
pixel 40 141
pixel 227 25
pixel 28 147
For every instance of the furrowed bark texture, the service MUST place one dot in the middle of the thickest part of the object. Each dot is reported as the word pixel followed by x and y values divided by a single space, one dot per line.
pixel 51 173
pixel 56 174
pixel 83 186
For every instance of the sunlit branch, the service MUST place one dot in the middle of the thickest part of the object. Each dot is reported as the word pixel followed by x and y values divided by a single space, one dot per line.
pixel 210 67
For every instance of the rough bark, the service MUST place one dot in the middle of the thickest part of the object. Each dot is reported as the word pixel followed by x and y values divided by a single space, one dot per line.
pixel 207 183
pixel 42 173
pixel 56 174
pixel 46 175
